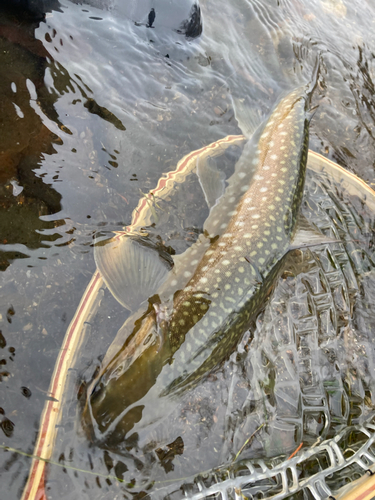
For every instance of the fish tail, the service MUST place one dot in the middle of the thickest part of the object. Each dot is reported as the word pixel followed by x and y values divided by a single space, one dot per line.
pixel 314 79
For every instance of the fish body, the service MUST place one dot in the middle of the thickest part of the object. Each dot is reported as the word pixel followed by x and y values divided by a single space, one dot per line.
pixel 170 345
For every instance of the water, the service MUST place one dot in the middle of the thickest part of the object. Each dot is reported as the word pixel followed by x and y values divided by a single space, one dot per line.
pixel 94 110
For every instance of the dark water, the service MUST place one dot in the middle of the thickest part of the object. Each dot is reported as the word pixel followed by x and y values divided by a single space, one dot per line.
pixel 94 108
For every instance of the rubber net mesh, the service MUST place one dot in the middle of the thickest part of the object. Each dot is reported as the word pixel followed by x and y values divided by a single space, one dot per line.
pixel 305 373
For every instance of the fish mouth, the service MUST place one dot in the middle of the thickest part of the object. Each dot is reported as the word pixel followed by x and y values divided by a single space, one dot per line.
pixel 111 401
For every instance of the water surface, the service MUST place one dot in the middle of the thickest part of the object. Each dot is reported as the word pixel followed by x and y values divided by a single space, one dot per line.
pixel 94 109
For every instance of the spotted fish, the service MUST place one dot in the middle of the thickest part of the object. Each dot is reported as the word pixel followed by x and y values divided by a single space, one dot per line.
pixel 207 301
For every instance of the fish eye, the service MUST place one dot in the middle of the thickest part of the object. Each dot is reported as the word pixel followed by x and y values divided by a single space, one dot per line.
pixel 95 393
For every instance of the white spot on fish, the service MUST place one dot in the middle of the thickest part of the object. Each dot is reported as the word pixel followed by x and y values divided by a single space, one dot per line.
pixel 263 190
pixel 258 177
pixel 226 262
pixel 255 216
pixel 241 269
pixel 266 167
pixel 241 175
pixel 187 274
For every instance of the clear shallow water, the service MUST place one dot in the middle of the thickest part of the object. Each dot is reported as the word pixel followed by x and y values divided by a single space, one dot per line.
pixel 70 86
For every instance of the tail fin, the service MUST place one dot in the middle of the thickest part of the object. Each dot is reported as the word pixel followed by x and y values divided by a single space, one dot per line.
pixel 314 79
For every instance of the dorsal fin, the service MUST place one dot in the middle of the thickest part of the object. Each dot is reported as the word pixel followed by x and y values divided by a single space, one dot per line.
pixel 308 235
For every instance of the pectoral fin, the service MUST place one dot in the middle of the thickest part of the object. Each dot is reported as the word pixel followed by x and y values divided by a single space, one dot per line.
pixel 211 180
pixel 132 268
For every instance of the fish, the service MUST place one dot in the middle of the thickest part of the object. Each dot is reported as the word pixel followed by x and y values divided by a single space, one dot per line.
pixel 206 302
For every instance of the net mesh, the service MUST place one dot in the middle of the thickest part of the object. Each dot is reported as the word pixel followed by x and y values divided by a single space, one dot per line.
pixel 315 473
pixel 304 375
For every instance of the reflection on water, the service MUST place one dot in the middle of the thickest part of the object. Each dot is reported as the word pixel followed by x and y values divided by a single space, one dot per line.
pixel 96 104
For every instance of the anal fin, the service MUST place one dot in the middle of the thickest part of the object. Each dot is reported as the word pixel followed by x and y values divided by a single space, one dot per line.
pixel 211 180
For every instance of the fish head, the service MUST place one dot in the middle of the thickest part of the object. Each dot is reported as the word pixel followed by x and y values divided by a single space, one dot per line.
pixel 111 400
